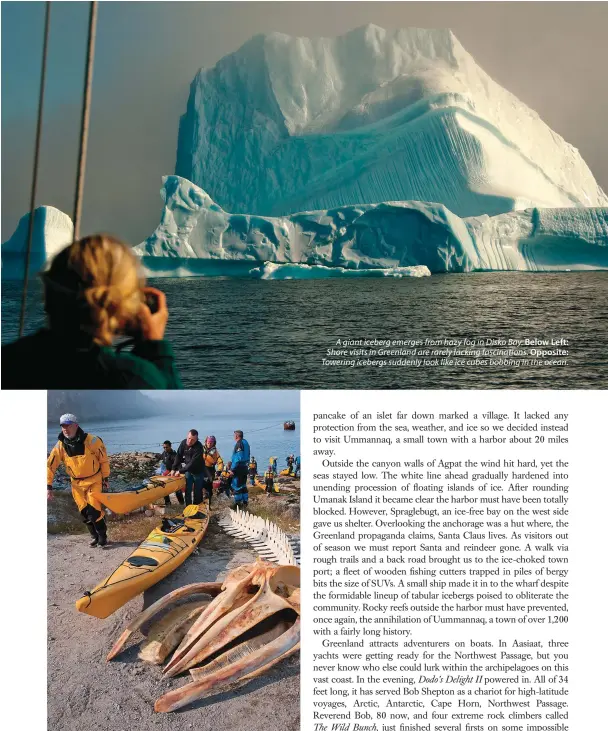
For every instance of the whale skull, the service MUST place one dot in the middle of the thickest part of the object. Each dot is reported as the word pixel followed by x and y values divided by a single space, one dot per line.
pixel 252 623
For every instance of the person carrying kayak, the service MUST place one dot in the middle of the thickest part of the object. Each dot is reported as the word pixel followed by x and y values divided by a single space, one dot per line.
pixel 191 463
pixel 297 467
pixel 273 465
pixel 86 461
pixel 253 471
pixel 169 463
pixel 269 480
pixel 213 462
pixel 240 468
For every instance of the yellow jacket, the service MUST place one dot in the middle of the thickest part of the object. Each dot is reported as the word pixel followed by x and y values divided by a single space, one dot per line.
pixel 213 459
pixel 86 470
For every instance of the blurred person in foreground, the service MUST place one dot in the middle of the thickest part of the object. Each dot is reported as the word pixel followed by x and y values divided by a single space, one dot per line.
pixel 93 293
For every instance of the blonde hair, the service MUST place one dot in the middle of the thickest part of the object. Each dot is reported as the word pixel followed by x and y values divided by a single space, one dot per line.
pixel 94 285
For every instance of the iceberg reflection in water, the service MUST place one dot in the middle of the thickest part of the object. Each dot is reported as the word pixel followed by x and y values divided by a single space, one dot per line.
pixel 274 334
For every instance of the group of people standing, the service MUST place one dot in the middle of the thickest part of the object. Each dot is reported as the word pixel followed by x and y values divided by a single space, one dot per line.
pixel 293 465
pixel 86 462
pixel 200 463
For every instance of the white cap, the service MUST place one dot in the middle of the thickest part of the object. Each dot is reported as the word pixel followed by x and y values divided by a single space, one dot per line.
pixel 68 419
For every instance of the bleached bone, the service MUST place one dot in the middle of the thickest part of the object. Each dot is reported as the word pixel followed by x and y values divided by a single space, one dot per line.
pixel 268 592
pixel 264 536
pixel 211 588
pixel 252 624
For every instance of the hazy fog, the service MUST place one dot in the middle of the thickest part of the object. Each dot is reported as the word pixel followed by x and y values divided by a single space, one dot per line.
pixel 551 55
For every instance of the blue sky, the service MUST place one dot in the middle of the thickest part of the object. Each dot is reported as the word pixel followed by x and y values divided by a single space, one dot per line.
pixel 230 402
pixel 550 55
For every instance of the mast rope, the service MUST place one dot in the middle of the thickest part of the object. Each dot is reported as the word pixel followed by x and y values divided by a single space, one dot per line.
pixel 30 225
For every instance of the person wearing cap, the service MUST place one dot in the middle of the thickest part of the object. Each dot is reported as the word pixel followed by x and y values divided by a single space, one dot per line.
pixel 240 468
pixel 86 462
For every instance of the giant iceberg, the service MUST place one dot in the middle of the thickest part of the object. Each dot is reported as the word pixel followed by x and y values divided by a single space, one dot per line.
pixel 52 231
pixel 197 237
pixel 295 124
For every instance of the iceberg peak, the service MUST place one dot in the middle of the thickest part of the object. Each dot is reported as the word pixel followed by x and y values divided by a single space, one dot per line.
pixel 286 124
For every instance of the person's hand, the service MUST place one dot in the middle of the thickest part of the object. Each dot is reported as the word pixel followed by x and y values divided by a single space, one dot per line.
pixel 153 326
pixel 49 493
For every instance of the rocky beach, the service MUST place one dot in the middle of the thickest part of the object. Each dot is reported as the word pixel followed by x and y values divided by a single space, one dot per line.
pixel 86 693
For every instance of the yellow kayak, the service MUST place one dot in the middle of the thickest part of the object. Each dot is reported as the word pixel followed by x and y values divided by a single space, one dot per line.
pixel 128 500
pixel 261 483
pixel 166 548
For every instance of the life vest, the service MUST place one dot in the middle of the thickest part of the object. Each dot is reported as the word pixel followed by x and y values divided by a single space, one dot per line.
pixel 212 458
pixel 86 470
pixel 80 466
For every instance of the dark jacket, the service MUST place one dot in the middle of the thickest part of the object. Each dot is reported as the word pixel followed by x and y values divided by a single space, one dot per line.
pixel 193 458
pixel 170 460
pixel 74 446
pixel 53 360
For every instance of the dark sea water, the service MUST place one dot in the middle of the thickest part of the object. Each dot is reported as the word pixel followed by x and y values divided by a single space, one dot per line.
pixel 244 333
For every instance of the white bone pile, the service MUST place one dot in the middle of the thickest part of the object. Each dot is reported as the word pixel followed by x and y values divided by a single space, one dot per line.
pixel 265 537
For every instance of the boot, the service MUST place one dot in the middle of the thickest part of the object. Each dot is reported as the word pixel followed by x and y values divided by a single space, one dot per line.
pixel 102 530
pixel 94 534
pixel 180 497
pixel 167 501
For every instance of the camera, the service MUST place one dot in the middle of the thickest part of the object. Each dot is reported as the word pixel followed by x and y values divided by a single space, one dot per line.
pixel 151 300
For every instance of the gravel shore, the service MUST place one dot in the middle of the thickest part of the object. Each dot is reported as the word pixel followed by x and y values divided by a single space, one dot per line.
pixel 86 693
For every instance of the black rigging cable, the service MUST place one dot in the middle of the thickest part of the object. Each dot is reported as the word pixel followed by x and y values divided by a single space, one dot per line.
pixel 30 226
pixel 84 126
